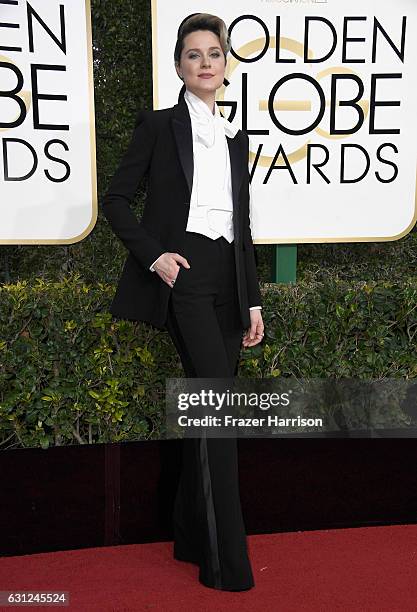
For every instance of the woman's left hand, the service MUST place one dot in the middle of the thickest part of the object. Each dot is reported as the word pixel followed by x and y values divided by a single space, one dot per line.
pixel 254 334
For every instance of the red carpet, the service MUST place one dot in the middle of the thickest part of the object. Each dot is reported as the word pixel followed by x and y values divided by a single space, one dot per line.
pixel 360 569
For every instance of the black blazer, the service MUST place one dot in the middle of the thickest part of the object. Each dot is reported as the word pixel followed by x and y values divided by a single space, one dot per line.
pixel 161 145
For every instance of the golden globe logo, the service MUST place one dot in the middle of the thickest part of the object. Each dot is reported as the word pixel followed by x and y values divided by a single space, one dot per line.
pixel 47 139
pixel 365 108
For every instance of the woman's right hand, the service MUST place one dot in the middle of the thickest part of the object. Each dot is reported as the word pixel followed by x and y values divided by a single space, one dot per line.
pixel 167 266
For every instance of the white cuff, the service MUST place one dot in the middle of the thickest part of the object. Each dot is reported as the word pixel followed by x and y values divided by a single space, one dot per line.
pixel 255 307
pixel 151 268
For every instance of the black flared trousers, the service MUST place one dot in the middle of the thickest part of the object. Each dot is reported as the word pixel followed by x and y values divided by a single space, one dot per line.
pixel 205 326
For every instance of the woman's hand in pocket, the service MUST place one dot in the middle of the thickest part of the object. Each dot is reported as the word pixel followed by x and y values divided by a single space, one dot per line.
pixel 168 266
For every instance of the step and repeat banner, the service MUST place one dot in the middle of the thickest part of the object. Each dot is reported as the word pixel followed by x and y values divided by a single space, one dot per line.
pixel 48 190
pixel 326 91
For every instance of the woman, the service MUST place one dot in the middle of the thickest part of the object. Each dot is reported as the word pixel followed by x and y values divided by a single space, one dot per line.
pixel 191 270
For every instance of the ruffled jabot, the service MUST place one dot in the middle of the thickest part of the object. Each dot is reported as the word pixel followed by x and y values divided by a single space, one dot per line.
pixel 204 122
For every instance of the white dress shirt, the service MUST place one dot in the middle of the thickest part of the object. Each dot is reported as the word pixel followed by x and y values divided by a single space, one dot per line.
pixel 211 203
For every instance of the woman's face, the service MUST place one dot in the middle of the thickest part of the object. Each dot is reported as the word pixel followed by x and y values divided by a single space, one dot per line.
pixel 202 54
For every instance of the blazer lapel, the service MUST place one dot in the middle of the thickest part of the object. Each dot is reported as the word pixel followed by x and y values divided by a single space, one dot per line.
pixel 181 125
pixel 237 163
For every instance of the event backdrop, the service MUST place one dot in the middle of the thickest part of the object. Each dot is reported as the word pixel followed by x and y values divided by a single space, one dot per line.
pixel 326 92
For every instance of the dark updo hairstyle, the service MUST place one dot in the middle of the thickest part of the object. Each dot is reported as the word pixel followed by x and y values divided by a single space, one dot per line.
pixel 201 21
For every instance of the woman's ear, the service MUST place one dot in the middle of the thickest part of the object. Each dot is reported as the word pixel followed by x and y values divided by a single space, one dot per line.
pixel 178 71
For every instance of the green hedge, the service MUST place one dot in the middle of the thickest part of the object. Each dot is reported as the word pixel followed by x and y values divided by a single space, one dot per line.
pixel 71 374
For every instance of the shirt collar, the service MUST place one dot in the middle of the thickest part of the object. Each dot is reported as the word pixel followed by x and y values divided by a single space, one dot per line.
pixel 200 111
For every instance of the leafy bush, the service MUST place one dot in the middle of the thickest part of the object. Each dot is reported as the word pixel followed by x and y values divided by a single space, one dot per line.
pixel 71 374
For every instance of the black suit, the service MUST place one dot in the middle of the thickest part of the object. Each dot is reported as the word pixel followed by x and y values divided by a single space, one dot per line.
pixel 205 314
pixel 162 146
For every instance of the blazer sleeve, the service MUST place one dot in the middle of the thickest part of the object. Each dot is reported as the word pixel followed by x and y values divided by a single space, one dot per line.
pixel 254 293
pixel 116 203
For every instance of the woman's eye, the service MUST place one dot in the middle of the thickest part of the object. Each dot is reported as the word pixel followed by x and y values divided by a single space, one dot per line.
pixel 193 55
